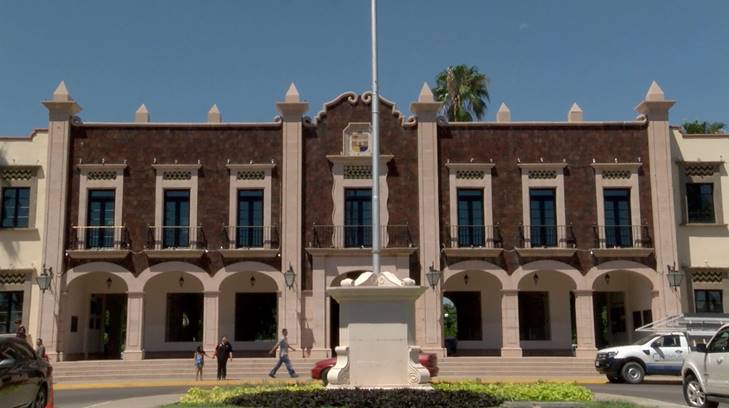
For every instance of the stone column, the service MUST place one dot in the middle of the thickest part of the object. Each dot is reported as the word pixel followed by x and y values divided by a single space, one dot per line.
pixel 319 305
pixel 429 332
pixel 292 111
pixel 61 109
pixel 510 346
pixel 210 322
pixel 585 320
pixel 655 108
pixel 134 346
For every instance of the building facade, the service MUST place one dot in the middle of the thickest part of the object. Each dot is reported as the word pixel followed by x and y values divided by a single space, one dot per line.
pixel 702 193
pixel 548 238
pixel 22 225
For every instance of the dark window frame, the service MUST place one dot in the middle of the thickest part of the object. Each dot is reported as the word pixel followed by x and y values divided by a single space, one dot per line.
pixel 13 220
pixel 14 309
pixel 470 215
pixel 707 301
pixel 249 226
pixel 543 234
pixel 176 234
pixel 526 314
pixel 358 208
pixel 706 211
pixel 189 302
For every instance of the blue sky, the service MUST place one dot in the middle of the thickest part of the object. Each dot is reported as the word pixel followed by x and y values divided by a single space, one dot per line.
pixel 179 57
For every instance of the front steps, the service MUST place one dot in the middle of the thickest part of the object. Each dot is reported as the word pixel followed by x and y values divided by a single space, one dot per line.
pixel 490 368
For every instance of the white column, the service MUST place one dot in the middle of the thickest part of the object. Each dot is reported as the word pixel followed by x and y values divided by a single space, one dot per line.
pixel 585 321
pixel 655 108
pixel 61 109
pixel 133 347
pixel 292 111
pixel 211 307
pixel 429 331
pixel 319 305
pixel 510 346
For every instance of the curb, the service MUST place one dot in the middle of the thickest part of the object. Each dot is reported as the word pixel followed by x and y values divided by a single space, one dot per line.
pixel 173 383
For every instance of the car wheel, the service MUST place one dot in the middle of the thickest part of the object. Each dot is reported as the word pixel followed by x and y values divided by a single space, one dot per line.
pixel 41 398
pixel 633 373
pixel 615 379
pixel 324 374
pixel 694 394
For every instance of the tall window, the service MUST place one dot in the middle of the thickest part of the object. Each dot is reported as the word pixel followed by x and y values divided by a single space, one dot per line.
pixel 100 214
pixel 542 217
pixel 176 229
pixel 184 317
pixel 470 217
pixel 700 202
pixel 618 231
pixel 358 217
pixel 534 316
pixel 708 301
pixel 11 309
pixel 16 207
pixel 255 316
pixel 250 219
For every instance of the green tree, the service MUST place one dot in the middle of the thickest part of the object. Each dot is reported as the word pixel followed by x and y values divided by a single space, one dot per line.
pixel 464 92
pixel 450 319
pixel 708 128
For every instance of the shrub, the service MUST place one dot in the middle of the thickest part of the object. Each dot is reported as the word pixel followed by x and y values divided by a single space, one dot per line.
pixel 540 391
pixel 219 395
pixel 366 398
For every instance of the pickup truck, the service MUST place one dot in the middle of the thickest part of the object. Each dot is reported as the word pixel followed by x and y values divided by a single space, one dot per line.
pixel 705 372
pixel 658 353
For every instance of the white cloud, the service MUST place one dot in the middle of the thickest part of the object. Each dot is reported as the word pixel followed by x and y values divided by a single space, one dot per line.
pixel 523 26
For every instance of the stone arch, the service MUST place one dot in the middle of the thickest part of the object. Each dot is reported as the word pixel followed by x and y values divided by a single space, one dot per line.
pixel 629 266
pixel 477 266
pixel 547 265
pixel 86 269
pixel 248 266
pixel 153 271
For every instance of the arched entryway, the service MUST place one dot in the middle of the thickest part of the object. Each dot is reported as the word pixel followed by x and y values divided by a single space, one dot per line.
pixel 96 311
pixel 623 297
pixel 546 303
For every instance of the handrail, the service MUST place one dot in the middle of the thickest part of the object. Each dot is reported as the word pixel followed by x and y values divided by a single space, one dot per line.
pixel 99 237
pixel 175 237
pixel 360 236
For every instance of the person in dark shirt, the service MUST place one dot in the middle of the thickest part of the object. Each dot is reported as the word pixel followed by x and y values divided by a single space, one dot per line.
pixel 20 331
pixel 223 352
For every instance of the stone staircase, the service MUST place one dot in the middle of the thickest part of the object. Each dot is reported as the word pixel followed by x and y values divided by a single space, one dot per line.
pixel 490 368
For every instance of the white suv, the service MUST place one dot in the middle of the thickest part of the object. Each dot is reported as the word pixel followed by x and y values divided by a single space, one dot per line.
pixel 705 372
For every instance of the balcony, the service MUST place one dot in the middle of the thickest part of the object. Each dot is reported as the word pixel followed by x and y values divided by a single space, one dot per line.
pixel 546 240
pixel 622 241
pixel 357 240
pixel 98 242
pixel 175 242
pixel 258 241
pixel 473 241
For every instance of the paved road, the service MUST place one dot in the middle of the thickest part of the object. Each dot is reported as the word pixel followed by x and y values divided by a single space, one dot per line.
pixel 662 392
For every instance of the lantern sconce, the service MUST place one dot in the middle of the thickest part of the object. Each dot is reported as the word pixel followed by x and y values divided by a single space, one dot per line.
pixel 290 277
pixel 607 278
pixel 108 283
pixel 44 279
pixel 536 279
pixel 433 276
pixel 181 281
pixel 465 279
pixel 674 275
pixel 253 281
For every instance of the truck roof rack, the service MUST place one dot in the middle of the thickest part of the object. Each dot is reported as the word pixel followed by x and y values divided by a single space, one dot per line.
pixel 693 324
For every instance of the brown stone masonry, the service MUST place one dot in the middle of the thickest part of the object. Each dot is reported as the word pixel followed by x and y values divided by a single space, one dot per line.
pixel 140 145
pixel 531 143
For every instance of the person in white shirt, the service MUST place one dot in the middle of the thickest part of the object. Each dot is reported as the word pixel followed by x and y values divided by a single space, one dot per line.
pixel 283 355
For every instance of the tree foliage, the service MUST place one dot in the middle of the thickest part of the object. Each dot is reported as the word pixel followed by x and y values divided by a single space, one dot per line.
pixel 708 128
pixel 464 92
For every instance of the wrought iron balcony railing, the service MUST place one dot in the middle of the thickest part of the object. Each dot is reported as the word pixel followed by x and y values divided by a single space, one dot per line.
pixel 360 236
pixel 622 236
pixel 546 236
pixel 474 236
pixel 107 237
pixel 175 237
pixel 250 236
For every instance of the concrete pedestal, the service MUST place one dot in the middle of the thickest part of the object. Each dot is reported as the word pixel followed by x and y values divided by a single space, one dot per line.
pixel 377 334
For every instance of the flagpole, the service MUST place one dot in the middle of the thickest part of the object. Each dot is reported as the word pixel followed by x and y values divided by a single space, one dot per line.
pixel 375 150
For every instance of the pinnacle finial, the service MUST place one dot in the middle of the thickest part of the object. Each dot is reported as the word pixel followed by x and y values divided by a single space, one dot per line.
pixel 503 114
pixel 292 94
pixel 61 93
pixel 141 115
pixel 426 94
pixel 575 113
pixel 214 114
pixel 655 93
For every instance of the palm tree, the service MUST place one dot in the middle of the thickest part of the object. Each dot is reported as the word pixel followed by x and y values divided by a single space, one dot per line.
pixel 707 128
pixel 464 92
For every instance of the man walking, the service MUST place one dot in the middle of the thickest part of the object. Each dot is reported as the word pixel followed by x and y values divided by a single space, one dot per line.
pixel 223 352
pixel 283 355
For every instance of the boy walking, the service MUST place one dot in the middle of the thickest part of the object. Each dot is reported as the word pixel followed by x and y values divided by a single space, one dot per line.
pixel 283 355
